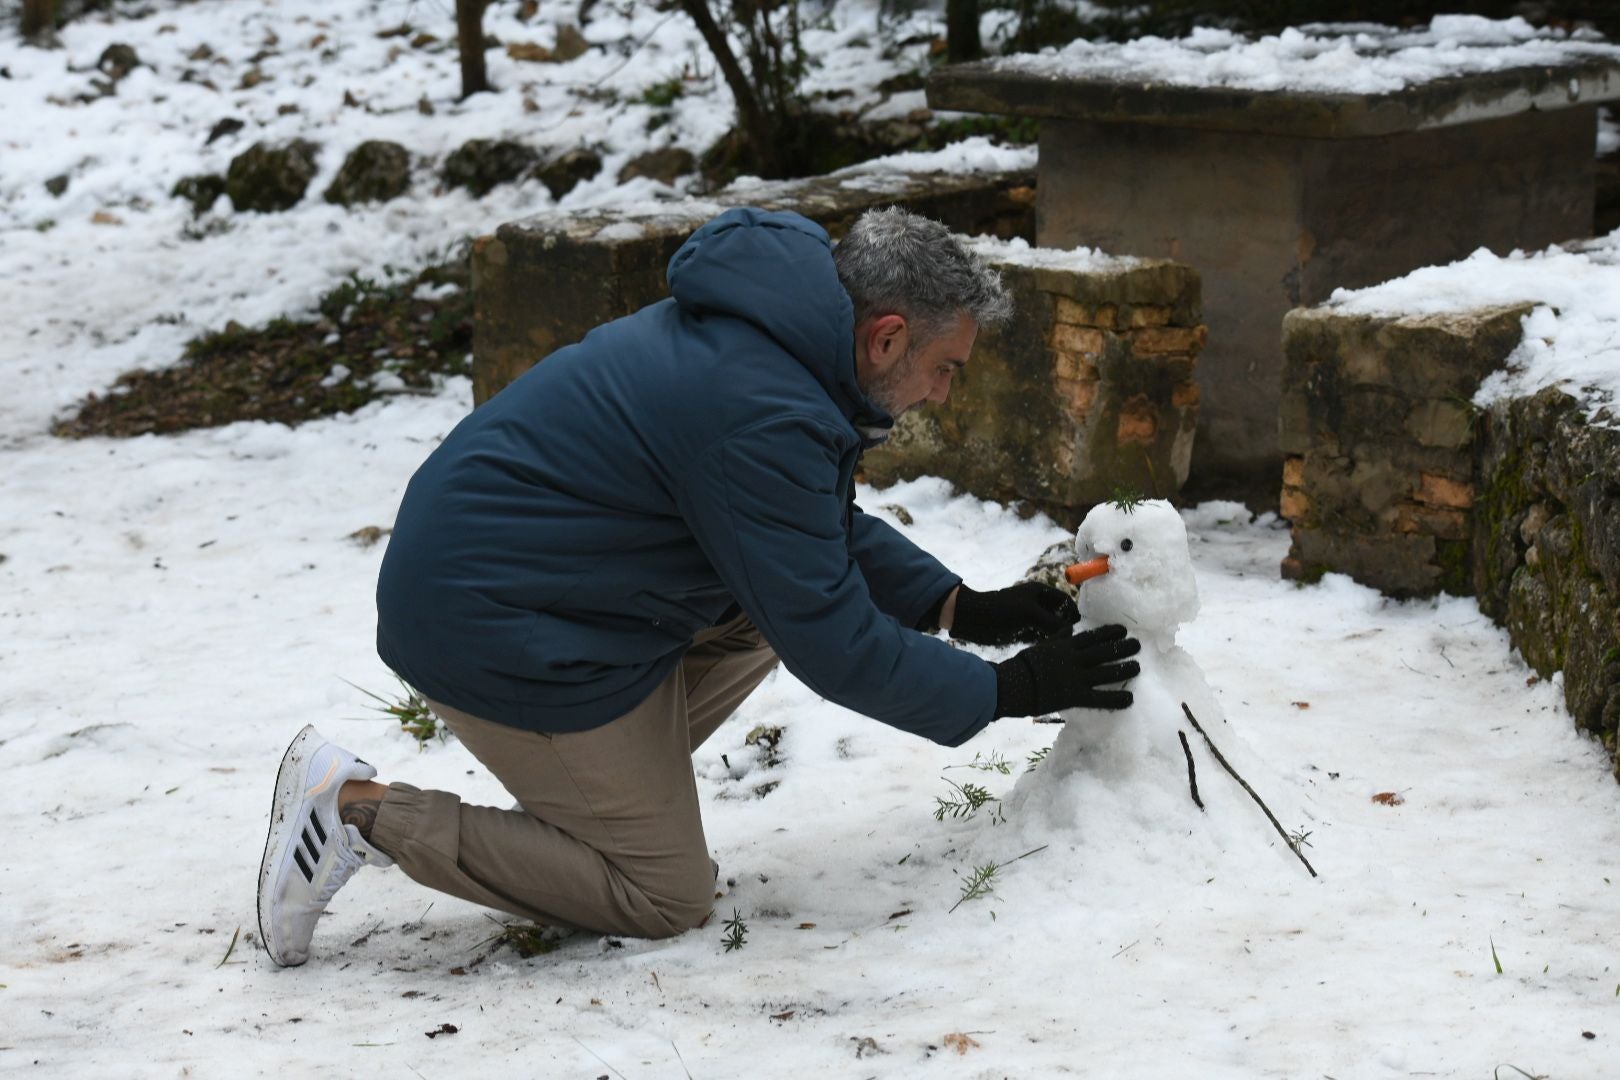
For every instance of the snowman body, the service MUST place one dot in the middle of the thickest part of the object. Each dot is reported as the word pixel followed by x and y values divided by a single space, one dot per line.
pixel 1121 779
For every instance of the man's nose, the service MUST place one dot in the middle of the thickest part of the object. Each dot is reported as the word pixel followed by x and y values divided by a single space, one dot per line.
pixel 941 390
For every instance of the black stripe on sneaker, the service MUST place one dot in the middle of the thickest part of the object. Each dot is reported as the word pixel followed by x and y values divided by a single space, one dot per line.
pixel 310 846
pixel 316 823
pixel 298 857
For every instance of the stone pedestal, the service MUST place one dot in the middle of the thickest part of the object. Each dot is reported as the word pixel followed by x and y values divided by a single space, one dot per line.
pixel 1277 198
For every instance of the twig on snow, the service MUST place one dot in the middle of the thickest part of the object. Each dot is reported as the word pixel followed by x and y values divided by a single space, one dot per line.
pixel 1252 794
pixel 1192 771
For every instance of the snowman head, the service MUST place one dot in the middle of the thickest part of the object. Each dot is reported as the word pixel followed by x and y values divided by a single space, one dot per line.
pixel 1135 568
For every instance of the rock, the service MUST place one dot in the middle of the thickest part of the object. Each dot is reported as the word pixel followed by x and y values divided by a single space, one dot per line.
pixel 56 185
pixel 374 171
pixel 483 164
pixel 200 191
pixel 117 61
pixel 666 165
pixel 571 44
pixel 570 170
pixel 268 178
pixel 228 126
pixel 529 52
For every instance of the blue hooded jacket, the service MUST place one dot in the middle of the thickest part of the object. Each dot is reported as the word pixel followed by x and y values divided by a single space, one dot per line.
pixel 555 555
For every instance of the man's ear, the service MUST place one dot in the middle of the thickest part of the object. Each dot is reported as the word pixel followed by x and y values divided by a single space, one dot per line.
pixel 886 339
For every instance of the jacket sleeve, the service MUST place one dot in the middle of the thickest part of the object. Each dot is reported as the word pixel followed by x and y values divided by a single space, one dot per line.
pixel 764 506
pixel 905 580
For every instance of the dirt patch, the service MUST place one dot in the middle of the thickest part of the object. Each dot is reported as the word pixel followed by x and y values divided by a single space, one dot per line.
pixel 370 340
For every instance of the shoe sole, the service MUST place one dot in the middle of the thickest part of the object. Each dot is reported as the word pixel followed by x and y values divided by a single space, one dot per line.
pixel 284 825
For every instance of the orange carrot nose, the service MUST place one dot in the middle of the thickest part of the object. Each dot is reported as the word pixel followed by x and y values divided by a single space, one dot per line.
pixel 1085 571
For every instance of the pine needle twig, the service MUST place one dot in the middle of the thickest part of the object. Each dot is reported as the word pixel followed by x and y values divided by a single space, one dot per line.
pixel 980 883
pixel 1245 784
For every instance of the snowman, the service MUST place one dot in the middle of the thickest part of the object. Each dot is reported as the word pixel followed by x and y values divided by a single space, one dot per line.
pixel 1146 776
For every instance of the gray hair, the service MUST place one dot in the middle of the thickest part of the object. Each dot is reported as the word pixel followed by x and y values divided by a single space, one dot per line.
pixel 894 261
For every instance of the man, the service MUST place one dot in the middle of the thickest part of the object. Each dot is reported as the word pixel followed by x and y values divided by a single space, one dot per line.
pixel 599 564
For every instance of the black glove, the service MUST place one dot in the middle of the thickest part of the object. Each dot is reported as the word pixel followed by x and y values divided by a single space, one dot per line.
pixel 1064 673
pixel 1028 611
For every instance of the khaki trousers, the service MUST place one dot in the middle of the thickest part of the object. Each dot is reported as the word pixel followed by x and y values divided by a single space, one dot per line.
pixel 610 837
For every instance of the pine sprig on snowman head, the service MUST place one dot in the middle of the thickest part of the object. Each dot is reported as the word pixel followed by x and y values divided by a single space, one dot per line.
pixel 1126 501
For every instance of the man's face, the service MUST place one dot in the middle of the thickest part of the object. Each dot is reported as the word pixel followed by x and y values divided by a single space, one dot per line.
pixel 914 375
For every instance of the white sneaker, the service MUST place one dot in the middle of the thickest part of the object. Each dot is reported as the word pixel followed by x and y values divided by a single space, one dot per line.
pixel 309 853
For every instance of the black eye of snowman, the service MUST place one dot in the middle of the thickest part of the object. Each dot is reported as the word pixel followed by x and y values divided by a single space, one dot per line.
pixel 1125 544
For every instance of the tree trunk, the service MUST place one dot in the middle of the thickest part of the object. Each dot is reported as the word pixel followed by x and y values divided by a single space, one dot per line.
pixel 756 125
pixel 38 21
pixel 962 31
pixel 470 41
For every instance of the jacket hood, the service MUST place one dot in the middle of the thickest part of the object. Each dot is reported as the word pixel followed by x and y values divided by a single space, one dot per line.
pixel 774 269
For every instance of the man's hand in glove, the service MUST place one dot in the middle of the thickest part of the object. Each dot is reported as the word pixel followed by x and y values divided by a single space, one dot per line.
pixel 1064 673
pixel 1028 611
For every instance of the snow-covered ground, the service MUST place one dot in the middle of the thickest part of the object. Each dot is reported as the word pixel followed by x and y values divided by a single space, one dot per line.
pixel 173 609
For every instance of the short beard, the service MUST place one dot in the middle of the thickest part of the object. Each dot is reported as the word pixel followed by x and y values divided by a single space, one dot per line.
pixel 884 391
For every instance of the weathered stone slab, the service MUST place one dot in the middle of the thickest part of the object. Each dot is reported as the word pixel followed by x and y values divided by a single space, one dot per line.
pixel 1089 390
pixel 546 281
pixel 997 86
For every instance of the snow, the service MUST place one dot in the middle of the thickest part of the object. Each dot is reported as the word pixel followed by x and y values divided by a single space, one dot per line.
pixel 173 609
pixel 1572 337
pixel 1322 58
pixel 1079 259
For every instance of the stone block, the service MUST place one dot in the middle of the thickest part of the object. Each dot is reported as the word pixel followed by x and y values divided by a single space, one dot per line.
pixel 1447 423
pixel 1084 341
pixel 1159 340
pixel 1296 506
pixel 1444 491
pixel 1404 563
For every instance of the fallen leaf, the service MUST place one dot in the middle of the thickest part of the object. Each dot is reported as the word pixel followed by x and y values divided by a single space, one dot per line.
pixel 458 971
pixel 900 914
pixel 807 926
pixel 782 1015
pixel 442 1029
pixel 960 1043
pixel 1388 798
pixel 1532 680
pixel 102 217
pixel 368 536
pixel 1300 704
